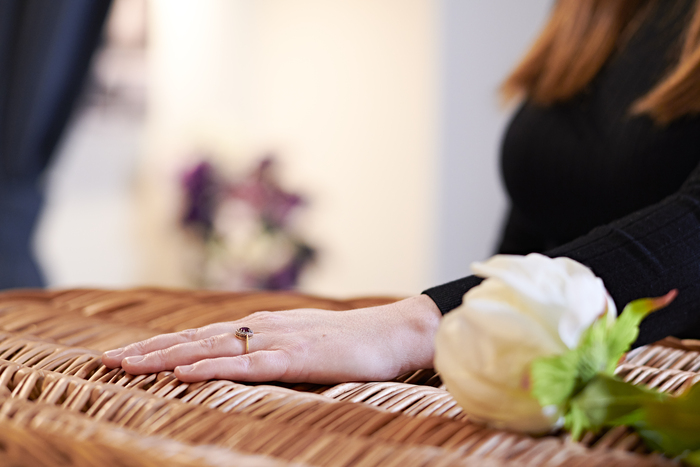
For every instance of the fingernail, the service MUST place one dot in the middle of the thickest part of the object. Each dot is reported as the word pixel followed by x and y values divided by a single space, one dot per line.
pixel 133 360
pixel 185 368
pixel 113 353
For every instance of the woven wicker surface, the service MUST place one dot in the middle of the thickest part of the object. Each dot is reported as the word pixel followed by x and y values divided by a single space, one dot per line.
pixel 60 406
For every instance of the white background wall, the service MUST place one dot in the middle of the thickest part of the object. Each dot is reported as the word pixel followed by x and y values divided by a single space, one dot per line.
pixel 481 41
pixel 384 112
pixel 344 92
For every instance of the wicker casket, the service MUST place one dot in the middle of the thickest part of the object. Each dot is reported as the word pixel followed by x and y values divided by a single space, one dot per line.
pixel 60 406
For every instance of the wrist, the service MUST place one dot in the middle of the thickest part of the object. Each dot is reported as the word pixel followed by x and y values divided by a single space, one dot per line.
pixel 422 311
pixel 419 318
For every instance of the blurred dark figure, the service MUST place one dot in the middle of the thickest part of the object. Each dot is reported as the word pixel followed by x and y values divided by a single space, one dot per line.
pixel 45 50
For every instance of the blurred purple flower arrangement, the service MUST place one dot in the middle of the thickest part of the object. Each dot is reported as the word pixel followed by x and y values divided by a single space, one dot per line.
pixel 243 229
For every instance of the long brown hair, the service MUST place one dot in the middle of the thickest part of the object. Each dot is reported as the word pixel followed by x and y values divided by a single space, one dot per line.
pixel 577 40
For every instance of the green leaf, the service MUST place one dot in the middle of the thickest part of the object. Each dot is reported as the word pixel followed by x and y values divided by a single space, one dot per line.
pixel 692 458
pixel 666 423
pixel 607 400
pixel 625 329
pixel 554 378
pixel 576 421
pixel 672 425
pixel 593 350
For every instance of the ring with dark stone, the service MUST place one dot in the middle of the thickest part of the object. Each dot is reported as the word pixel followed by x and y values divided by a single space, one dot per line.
pixel 244 333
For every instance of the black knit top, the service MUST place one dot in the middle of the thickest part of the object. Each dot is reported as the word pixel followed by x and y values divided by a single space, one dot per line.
pixel 616 192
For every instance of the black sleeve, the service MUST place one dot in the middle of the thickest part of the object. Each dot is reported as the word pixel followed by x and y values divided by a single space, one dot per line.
pixel 644 254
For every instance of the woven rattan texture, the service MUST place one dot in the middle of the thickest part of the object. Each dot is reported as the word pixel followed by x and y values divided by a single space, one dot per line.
pixel 60 406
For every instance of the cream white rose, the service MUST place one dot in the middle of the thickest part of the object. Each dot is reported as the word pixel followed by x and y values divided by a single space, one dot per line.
pixel 528 307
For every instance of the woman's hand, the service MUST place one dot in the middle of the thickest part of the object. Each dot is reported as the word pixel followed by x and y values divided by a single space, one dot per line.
pixel 305 345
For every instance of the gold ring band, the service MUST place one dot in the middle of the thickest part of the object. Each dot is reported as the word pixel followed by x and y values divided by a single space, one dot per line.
pixel 245 333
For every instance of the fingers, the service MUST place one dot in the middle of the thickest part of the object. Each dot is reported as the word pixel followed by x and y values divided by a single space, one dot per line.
pixel 114 358
pixel 266 365
pixel 223 345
